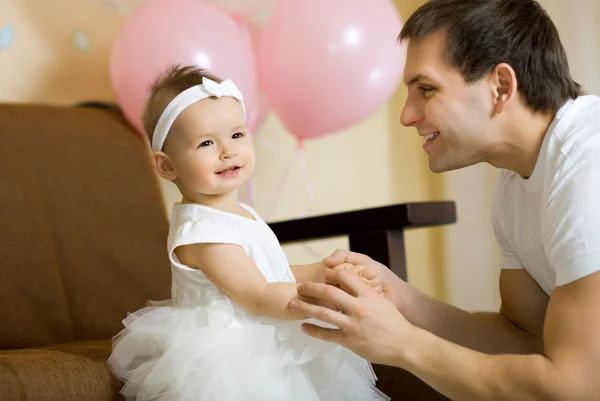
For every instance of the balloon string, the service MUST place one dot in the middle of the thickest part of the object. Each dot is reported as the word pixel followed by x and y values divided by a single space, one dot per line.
pixel 299 157
pixel 251 185
pixel 310 188
pixel 265 142
pixel 251 191
pixel 249 198
pixel 310 192
pixel 279 189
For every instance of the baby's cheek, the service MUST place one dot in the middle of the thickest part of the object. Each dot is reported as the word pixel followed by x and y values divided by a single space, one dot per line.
pixel 198 182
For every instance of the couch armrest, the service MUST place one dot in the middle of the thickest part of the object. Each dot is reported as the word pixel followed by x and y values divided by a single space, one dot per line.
pixel 377 232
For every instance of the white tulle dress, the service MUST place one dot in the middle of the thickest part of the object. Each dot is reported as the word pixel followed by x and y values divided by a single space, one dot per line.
pixel 201 346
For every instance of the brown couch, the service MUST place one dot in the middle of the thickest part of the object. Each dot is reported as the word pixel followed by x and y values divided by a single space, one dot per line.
pixel 82 242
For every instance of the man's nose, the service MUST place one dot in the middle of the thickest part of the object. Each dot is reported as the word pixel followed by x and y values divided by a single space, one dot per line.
pixel 410 115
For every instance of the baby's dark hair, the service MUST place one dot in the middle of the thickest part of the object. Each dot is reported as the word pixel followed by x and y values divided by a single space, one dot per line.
pixel 174 80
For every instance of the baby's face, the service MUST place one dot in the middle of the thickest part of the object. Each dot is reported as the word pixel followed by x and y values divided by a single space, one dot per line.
pixel 211 148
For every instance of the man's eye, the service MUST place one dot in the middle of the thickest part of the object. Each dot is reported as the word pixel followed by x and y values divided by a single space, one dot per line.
pixel 425 90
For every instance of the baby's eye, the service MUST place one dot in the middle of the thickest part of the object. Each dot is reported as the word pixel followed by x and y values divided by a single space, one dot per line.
pixel 205 144
pixel 237 135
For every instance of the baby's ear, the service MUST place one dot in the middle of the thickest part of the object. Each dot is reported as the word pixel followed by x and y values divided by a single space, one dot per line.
pixel 164 166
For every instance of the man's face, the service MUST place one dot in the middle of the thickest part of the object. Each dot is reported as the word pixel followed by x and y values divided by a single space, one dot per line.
pixel 453 117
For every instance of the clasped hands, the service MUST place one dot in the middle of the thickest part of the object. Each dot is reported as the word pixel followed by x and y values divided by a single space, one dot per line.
pixel 354 298
pixel 367 275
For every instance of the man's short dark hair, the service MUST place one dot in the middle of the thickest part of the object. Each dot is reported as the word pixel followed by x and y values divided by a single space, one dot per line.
pixel 481 34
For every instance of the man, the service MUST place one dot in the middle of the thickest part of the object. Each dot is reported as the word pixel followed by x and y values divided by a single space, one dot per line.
pixel 488 81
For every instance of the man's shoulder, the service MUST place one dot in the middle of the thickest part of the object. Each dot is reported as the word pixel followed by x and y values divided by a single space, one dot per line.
pixel 581 110
pixel 578 126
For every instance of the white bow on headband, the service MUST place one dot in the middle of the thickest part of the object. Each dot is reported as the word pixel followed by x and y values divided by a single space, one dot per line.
pixel 188 97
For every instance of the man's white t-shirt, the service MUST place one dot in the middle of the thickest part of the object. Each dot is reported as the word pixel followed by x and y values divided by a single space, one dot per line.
pixel 549 224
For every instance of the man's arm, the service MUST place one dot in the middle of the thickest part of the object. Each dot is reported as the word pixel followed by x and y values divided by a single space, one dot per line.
pixel 517 328
pixel 373 328
pixel 568 370
pixel 569 366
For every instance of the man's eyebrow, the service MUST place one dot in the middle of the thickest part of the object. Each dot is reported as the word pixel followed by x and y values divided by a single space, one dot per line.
pixel 416 78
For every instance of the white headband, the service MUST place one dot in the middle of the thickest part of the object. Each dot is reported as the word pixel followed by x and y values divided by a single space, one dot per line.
pixel 188 97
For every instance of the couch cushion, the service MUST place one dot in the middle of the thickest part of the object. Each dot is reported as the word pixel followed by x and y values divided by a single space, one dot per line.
pixel 68 372
pixel 83 229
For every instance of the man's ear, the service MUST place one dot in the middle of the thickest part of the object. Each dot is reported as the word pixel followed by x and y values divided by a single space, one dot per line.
pixel 504 86
pixel 164 166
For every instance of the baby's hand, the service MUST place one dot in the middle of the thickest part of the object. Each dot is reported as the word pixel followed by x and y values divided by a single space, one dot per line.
pixel 370 277
pixel 367 275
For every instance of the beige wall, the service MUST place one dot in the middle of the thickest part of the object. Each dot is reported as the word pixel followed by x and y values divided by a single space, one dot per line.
pixel 61 55
pixel 377 162
pixel 472 258
pixel 578 23
pixel 374 163
pixel 44 64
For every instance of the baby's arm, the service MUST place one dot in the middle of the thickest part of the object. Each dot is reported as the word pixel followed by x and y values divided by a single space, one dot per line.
pixel 314 272
pixel 231 269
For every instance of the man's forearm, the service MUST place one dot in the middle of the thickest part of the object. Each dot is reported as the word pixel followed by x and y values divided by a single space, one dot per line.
pixel 463 374
pixel 487 332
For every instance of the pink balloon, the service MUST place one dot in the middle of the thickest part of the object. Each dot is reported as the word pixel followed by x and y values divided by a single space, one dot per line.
pixel 256 120
pixel 328 64
pixel 164 32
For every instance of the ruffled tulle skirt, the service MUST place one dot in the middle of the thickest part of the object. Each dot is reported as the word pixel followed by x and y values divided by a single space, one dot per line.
pixel 169 353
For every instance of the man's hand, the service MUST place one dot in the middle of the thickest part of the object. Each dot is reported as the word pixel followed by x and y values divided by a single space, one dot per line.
pixel 392 287
pixel 368 324
pixel 367 274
